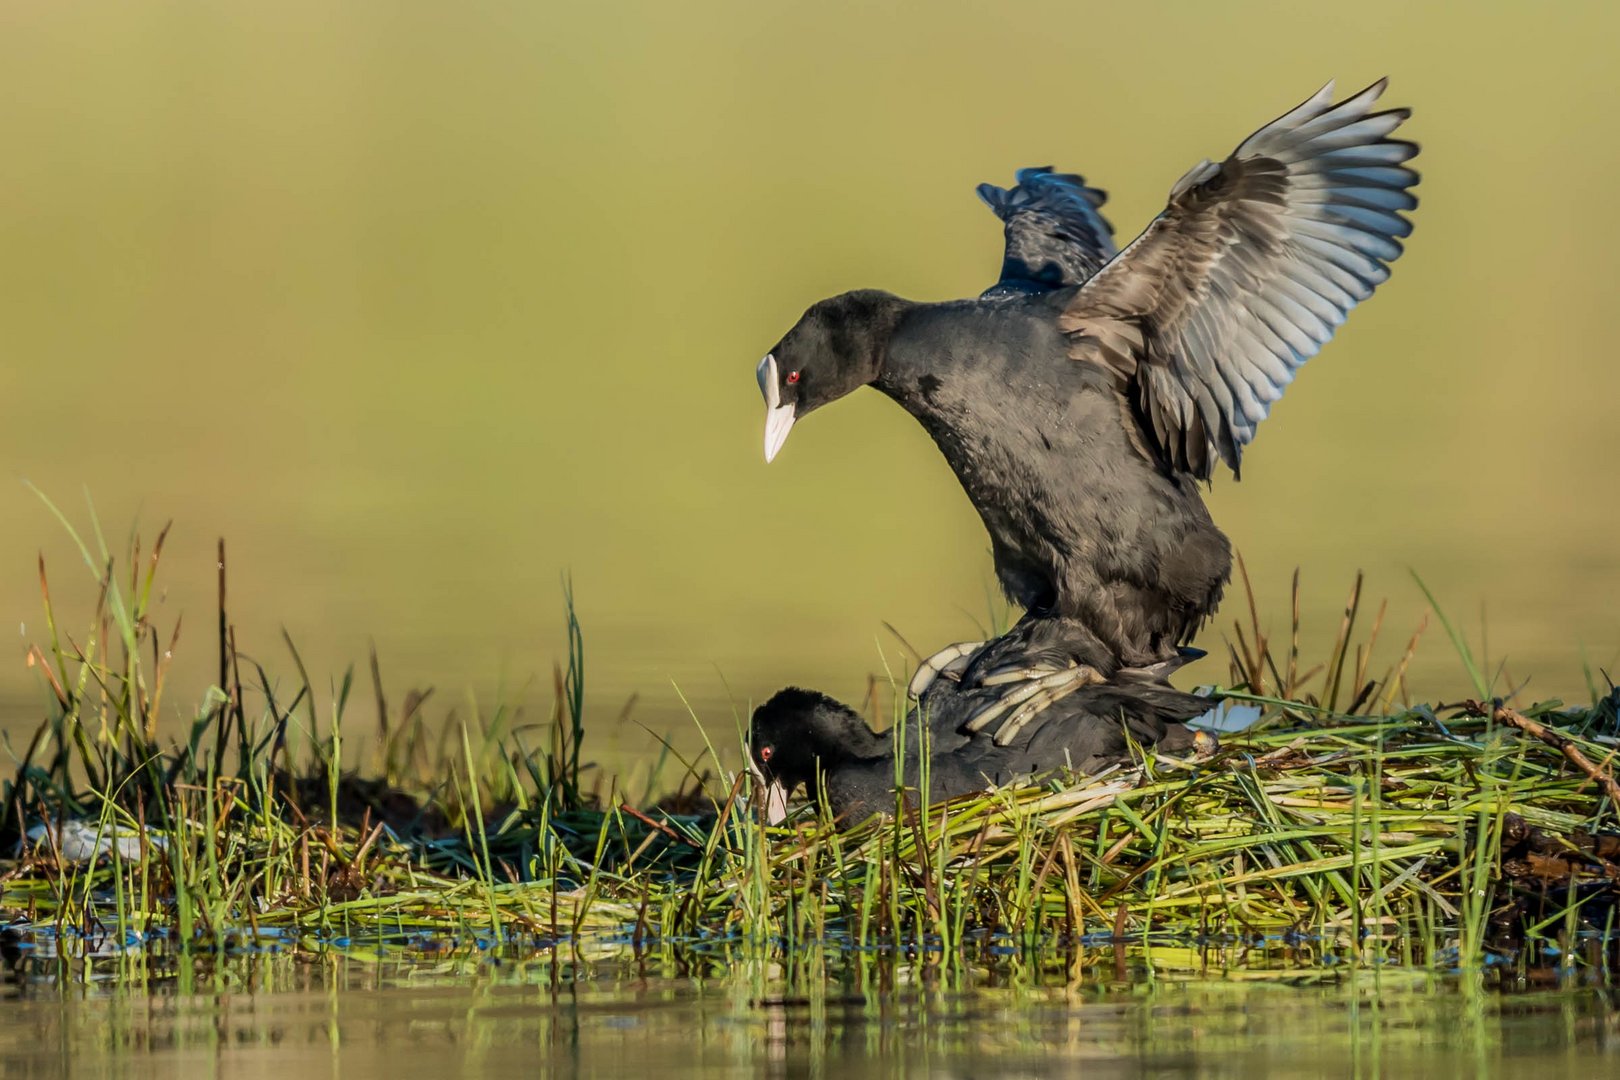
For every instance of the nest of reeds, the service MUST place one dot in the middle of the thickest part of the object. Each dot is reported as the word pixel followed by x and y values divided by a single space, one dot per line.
pixel 1342 824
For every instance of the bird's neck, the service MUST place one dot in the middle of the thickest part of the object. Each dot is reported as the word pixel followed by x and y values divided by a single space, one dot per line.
pixel 912 356
pixel 872 744
pixel 852 740
pixel 872 332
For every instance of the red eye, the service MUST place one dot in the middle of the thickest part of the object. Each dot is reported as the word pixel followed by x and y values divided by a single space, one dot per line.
pixel 793 377
pixel 765 752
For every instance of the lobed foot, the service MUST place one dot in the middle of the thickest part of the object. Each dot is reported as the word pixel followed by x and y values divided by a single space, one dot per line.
pixel 949 662
pixel 1028 700
pixel 1079 678
pixel 1022 674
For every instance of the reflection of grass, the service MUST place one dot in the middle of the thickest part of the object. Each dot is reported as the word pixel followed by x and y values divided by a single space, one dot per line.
pixel 1339 827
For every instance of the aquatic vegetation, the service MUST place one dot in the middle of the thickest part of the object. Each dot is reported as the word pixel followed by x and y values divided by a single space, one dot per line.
pixel 1341 828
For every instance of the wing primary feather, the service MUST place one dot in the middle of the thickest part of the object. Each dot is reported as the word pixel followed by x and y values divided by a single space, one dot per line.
pixel 1248 272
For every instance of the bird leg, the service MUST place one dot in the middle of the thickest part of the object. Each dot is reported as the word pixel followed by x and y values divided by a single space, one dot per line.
pixel 948 661
pixel 1032 687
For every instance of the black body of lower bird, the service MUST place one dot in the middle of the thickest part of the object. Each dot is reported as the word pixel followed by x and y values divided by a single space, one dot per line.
pixel 805 737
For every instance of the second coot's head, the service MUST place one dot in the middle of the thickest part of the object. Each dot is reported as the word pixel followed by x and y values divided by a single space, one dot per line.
pixel 797 737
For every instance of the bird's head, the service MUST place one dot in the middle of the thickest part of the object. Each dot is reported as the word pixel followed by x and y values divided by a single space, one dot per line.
pixel 795 737
pixel 835 347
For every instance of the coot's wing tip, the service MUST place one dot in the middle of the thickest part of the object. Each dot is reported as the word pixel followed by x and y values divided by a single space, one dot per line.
pixel 1249 270
pixel 994 197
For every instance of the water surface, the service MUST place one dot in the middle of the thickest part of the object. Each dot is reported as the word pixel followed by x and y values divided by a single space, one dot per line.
pixel 336 1017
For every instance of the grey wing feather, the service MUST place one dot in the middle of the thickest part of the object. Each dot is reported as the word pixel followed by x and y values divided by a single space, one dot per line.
pixel 1056 236
pixel 1247 273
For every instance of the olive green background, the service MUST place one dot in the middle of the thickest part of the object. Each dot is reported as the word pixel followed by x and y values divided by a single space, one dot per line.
pixel 423 306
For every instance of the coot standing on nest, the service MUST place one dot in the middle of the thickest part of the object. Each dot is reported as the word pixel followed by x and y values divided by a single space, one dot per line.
pixel 804 737
pixel 1080 407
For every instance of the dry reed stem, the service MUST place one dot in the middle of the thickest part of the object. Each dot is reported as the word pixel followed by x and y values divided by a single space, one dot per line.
pixel 659 826
pixel 1502 714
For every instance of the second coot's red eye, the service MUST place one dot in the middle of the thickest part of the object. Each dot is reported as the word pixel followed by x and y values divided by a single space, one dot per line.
pixel 765 751
pixel 793 377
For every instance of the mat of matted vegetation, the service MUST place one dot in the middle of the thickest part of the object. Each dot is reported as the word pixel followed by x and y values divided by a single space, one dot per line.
pixel 1414 839
pixel 1441 837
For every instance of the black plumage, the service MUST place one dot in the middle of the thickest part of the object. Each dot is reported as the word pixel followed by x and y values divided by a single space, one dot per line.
pixel 802 737
pixel 1055 232
pixel 1080 410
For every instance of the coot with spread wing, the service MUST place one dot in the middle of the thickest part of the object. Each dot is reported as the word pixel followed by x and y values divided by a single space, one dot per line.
pixel 1081 400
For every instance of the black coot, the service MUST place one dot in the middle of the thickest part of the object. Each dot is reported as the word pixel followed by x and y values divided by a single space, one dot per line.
pixel 1080 407
pixel 805 737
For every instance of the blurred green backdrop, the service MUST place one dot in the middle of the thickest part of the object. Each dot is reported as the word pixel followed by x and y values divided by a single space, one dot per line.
pixel 421 306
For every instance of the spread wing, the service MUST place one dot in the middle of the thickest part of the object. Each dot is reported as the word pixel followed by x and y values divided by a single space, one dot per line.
pixel 1246 274
pixel 1055 236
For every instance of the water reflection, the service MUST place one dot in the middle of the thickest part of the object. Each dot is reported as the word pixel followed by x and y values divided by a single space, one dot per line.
pixel 421 307
pixel 331 1015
